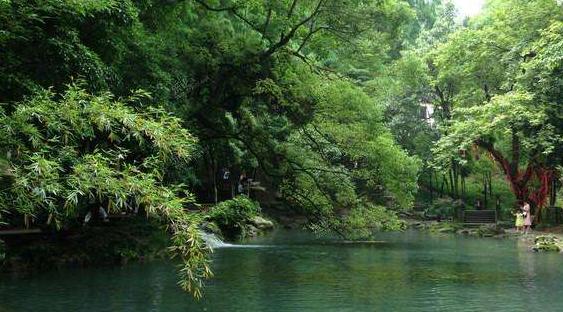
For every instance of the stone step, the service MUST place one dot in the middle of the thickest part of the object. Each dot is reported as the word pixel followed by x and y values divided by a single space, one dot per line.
pixel 479 216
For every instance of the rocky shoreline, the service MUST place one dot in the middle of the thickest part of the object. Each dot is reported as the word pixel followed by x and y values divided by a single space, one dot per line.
pixel 537 241
pixel 256 226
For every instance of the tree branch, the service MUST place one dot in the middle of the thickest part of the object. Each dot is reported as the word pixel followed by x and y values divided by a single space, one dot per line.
pixel 497 156
pixel 291 9
pixel 233 10
pixel 210 8
pixel 267 22
pixel 285 38
pixel 309 35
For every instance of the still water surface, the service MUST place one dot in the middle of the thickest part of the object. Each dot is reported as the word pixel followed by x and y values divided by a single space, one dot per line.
pixel 295 272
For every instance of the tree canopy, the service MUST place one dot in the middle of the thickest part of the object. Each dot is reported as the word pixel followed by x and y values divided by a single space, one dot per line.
pixel 141 103
pixel 341 110
pixel 502 101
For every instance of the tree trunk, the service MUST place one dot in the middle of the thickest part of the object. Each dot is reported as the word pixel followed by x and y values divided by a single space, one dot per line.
pixel 452 189
pixel 437 182
pixel 215 196
pixel 553 192
pixel 490 185
pixel 463 189
pixel 431 187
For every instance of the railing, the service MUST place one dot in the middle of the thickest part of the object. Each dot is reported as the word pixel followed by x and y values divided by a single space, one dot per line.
pixel 479 216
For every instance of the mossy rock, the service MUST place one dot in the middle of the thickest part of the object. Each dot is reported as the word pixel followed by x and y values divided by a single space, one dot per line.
pixel 546 247
pixel 465 231
pixel 212 227
pixel 445 227
pixel 489 231
pixel 250 231
pixel 546 239
pixel 548 243
pixel 421 226
pixel 262 223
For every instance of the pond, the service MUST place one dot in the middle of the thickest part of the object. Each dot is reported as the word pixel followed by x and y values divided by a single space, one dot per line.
pixel 293 271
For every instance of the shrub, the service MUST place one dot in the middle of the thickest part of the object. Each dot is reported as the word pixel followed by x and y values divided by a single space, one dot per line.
pixel 67 153
pixel 231 215
pixel 443 207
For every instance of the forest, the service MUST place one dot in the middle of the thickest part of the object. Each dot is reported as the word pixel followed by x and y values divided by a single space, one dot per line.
pixel 348 115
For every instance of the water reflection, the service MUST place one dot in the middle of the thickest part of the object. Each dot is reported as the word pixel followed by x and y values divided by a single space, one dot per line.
pixel 408 272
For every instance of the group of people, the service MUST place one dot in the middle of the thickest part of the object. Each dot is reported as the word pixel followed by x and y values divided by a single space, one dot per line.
pixel 243 180
pixel 523 218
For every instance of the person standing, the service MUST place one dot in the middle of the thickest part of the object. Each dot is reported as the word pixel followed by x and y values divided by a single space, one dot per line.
pixel 242 180
pixel 527 217
pixel 519 220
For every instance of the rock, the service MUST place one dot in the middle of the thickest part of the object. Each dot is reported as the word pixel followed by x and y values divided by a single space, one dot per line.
pixel 546 247
pixel 261 223
pixel 414 224
pixel 489 231
pixel 212 227
pixel 444 227
pixel 251 230
pixel 546 239
pixel 446 230
pixel 464 231
pixel 546 243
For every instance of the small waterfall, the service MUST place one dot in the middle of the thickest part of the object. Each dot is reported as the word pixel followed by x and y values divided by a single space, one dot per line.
pixel 213 241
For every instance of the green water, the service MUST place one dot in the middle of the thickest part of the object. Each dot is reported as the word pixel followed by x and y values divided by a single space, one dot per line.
pixel 295 272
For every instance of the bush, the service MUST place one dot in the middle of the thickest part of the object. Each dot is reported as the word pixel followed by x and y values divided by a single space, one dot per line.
pixel 73 151
pixel 443 207
pixel 231 215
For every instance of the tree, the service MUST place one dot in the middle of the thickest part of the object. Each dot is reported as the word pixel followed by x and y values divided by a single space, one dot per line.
pixel 70 155
pixel 506 105
pixel 259 83
pixel 344 162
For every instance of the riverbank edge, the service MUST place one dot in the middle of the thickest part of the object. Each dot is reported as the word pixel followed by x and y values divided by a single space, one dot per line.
pixel 117 242
pixel 548 239
pixel 121 241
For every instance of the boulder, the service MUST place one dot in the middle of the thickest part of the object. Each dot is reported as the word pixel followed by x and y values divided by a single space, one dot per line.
pixel 212 227
pixel 261 223
pixel 250 231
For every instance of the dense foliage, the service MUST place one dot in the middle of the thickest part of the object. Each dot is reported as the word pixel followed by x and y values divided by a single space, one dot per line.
pixel 155 105
pixel 69 156
pixel 231 215
pixel 493 85
pixel 505 85
pixel 273 90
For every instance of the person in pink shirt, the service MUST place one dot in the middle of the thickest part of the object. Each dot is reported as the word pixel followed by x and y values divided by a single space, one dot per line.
pixel 527 217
